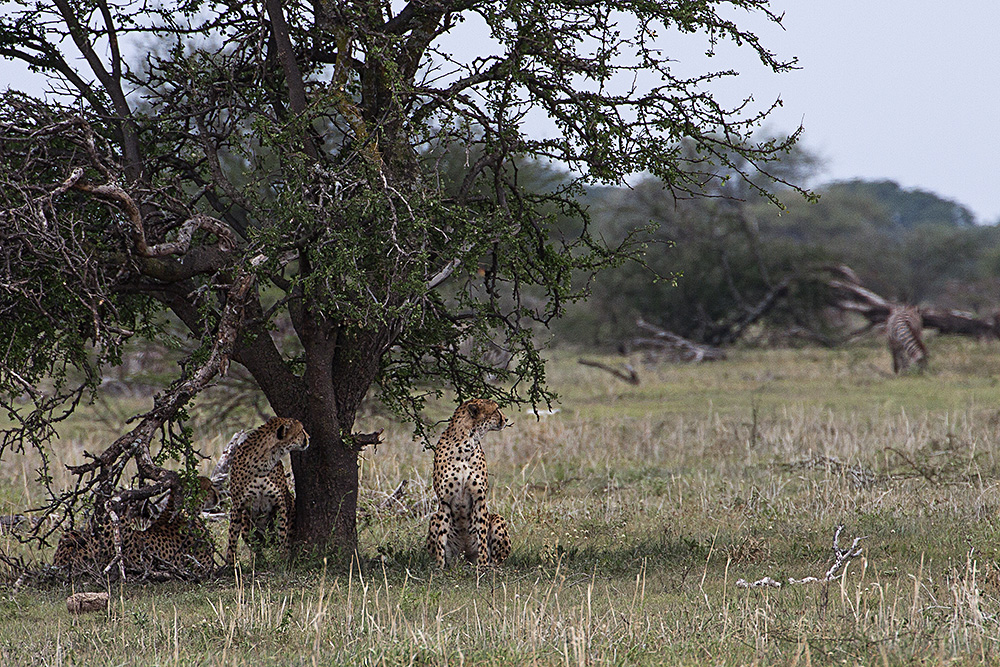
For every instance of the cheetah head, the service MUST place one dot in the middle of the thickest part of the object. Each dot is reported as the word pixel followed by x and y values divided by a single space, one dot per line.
pixel 265 446
pixel 482 415
pixel 70 550
pixel 289 435
pixel 211 496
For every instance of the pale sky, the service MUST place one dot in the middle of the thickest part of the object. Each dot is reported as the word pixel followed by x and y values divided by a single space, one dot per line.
pixel 907 90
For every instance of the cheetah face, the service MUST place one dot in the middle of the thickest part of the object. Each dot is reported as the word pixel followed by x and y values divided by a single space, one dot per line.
pixel 291 436
pixel 485 415
pixel 210 496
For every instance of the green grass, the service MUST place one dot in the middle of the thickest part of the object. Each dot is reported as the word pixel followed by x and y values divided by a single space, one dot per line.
pixel 634 512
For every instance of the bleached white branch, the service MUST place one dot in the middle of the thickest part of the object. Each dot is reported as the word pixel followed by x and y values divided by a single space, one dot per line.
pixel 766 582
pixel 227 242
pixel 443 274
pixel 220 476
pixel 114 192
pixel 841 557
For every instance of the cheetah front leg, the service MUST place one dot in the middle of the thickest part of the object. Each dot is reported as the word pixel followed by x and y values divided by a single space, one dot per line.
pixel 479 517
pixel 237 517
pixel 283 522
pixel 437 534
pixel 478 530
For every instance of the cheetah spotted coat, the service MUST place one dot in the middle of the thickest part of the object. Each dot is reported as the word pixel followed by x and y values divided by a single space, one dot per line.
pixel 174 545
pixel 462 524
pixel 258 487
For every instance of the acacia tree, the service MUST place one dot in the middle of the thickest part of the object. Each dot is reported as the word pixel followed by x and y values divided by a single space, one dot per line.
pixel 283 159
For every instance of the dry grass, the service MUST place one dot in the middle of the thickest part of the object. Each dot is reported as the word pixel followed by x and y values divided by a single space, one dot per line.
pixel 634 511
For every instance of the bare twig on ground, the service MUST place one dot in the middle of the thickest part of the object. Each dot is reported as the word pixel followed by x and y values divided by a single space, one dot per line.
pixel 841 558
pixel 627 375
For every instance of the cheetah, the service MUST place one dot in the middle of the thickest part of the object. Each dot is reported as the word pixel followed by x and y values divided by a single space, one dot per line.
pixel 462 524
pixel 207 494
pixel 173 545
pixel 258 488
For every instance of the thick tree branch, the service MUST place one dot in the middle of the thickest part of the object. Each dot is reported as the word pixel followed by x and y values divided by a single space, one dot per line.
pixel 443 274
pixel 290 66
pixel 135 444
pixel 112 85
pixel 115 193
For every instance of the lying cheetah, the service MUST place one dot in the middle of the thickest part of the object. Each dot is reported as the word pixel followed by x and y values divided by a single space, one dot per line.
pixel 258 488
pixel 207 497
pixel 462 524
pixel 174 545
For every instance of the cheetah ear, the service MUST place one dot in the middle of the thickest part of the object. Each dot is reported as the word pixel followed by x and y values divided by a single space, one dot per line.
pixel 473 410
pixel 282 432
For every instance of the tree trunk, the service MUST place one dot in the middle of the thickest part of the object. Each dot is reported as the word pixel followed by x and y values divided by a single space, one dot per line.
pixel 340 368
pixel 326 490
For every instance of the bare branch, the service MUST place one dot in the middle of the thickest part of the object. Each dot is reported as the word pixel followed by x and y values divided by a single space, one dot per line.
pixel 358 441
pixel 628 375
pixel 136 442
pixel 443 274
pixel 114 192
pixel 841 559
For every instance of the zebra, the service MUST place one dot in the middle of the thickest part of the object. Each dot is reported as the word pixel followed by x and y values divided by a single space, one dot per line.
pixel 903 329
pixel 487 356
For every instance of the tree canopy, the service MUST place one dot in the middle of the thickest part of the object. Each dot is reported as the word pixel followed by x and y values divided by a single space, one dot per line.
pixel 909 208
pixel 283 161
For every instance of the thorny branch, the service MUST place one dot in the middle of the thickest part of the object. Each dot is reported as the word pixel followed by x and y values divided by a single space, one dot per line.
pixel 136 442
pixel 38 226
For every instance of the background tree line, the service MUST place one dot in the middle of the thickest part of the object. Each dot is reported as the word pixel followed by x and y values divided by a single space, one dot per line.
pixel 708 261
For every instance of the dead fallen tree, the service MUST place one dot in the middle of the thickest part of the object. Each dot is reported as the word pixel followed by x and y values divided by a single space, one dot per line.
pixel 961 323
pixel 731 332
pixel 848 294
pixel 667 345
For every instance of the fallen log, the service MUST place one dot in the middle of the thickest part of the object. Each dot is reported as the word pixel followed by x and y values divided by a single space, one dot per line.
pixel 850 295
pixel 960 323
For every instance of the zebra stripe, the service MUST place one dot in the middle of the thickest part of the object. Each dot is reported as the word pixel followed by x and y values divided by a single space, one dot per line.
pixel 903 332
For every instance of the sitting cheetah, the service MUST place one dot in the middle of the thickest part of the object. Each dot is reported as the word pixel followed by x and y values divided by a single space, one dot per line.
pixel 462 524
pixel 258 488
pixel 173 545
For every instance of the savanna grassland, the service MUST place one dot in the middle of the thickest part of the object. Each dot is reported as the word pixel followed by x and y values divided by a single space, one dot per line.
pixel 634 512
